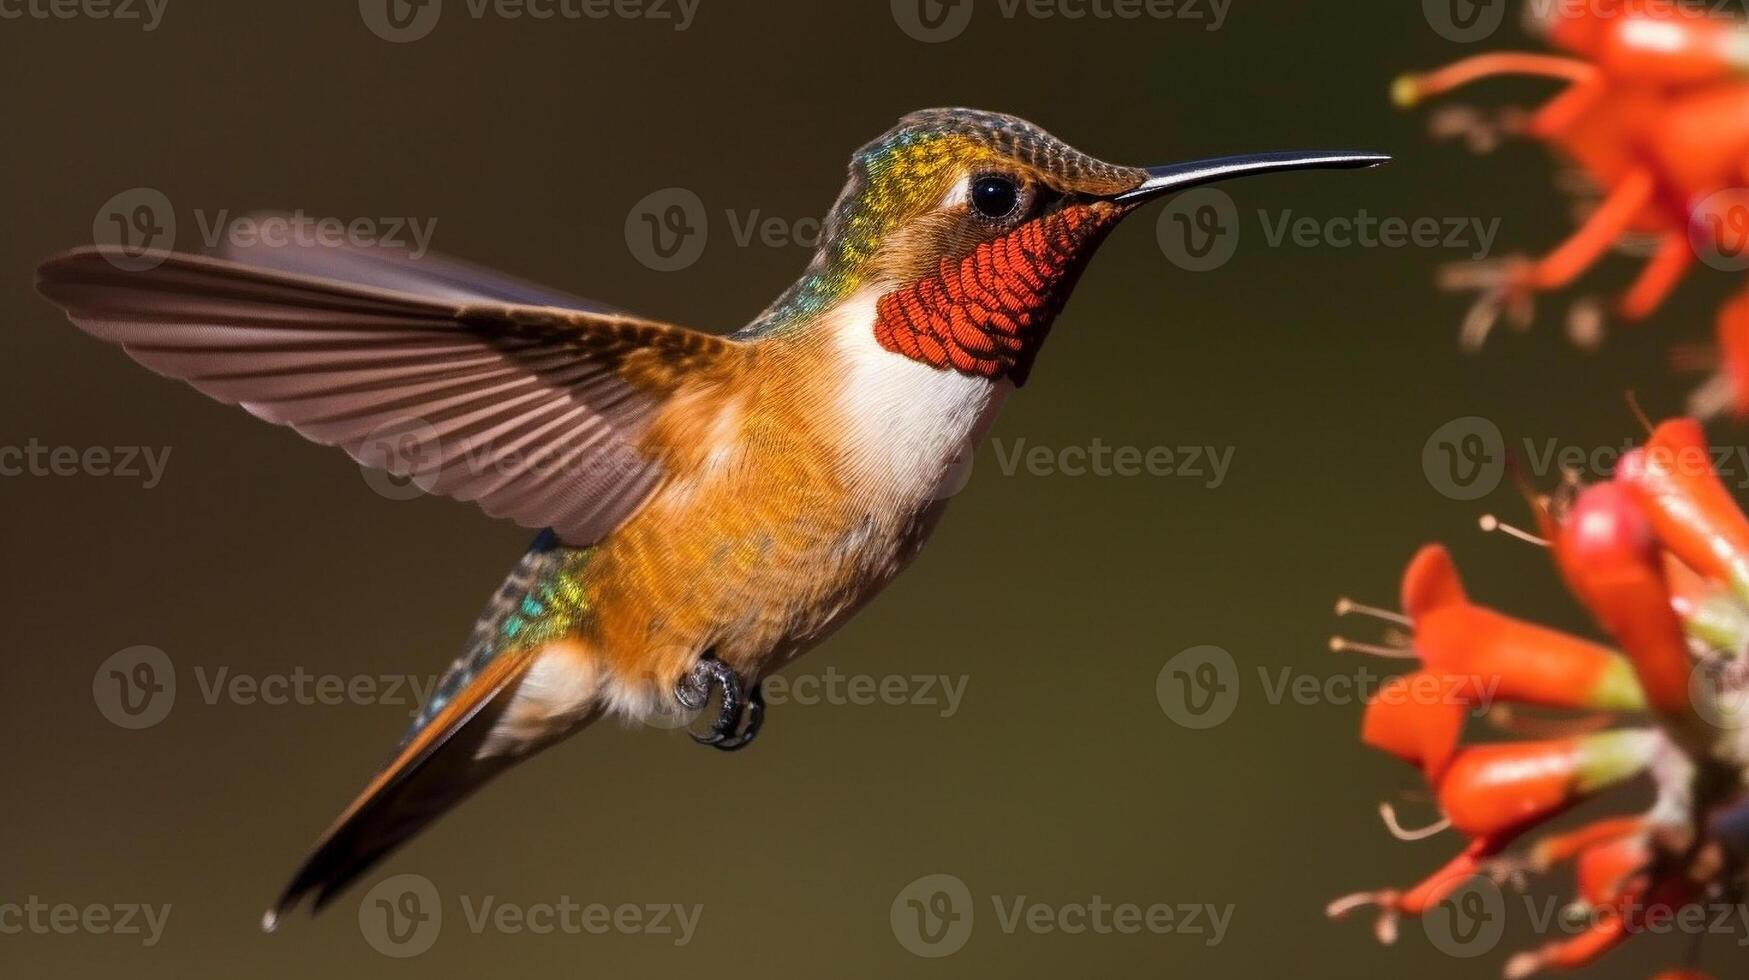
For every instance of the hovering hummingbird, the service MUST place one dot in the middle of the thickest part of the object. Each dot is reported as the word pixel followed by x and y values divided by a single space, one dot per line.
pixel 711 506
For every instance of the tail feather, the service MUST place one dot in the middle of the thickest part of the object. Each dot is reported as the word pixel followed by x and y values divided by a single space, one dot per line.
pixel 441 766
pixel 496 705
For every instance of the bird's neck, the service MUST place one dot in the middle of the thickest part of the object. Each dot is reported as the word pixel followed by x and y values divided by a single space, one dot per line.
pixel 984 313
pixel 898 423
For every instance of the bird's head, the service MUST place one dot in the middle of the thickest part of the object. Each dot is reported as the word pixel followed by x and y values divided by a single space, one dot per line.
pixel 969 229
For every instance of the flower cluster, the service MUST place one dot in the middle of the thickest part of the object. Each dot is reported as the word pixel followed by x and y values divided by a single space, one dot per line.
pixel 1653 120
pixel 1659 556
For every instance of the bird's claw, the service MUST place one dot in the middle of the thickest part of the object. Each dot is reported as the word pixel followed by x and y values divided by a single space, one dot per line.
pixel 741 713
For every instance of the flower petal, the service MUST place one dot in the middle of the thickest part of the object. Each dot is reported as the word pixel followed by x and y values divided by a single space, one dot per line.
pixel 1606 550
pixel 1511 659
pixel 1494 791
pixel 1672 479
pixel 1431 582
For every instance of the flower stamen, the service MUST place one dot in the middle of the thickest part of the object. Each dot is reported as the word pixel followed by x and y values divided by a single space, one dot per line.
pixel 1386 927
pixel 1344 606
pixel 1339 644
pixel 1490 524
pixel 1505 718
pixel 1388 813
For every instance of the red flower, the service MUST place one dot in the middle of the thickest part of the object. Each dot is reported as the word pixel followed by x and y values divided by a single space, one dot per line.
pixel 1652 112
pixel 1656 555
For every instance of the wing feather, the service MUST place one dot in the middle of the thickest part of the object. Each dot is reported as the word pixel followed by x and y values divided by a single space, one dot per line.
pixel 426 368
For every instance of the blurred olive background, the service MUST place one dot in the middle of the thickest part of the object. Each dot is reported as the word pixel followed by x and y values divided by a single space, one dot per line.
pixel 1057 599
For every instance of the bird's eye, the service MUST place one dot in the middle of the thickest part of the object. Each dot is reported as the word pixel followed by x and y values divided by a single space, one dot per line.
pixel 995 197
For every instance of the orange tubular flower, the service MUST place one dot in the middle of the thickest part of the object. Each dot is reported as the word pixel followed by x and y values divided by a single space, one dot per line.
pixel 1613 565
pixel 1672 480
pixel 1634 42
pixel 1655 112
pixel 1652 554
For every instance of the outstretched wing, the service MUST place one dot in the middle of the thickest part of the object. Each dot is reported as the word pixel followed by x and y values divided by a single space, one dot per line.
pixel 397 269
pixel 537 412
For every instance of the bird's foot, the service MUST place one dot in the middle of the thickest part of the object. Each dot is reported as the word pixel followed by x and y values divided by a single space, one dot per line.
pixel 741 713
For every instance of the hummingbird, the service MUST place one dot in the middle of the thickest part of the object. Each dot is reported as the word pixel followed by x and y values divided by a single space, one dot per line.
pixel 709 505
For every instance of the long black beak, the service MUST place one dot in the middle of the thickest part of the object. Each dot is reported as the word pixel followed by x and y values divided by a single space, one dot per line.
pixel 1183 176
